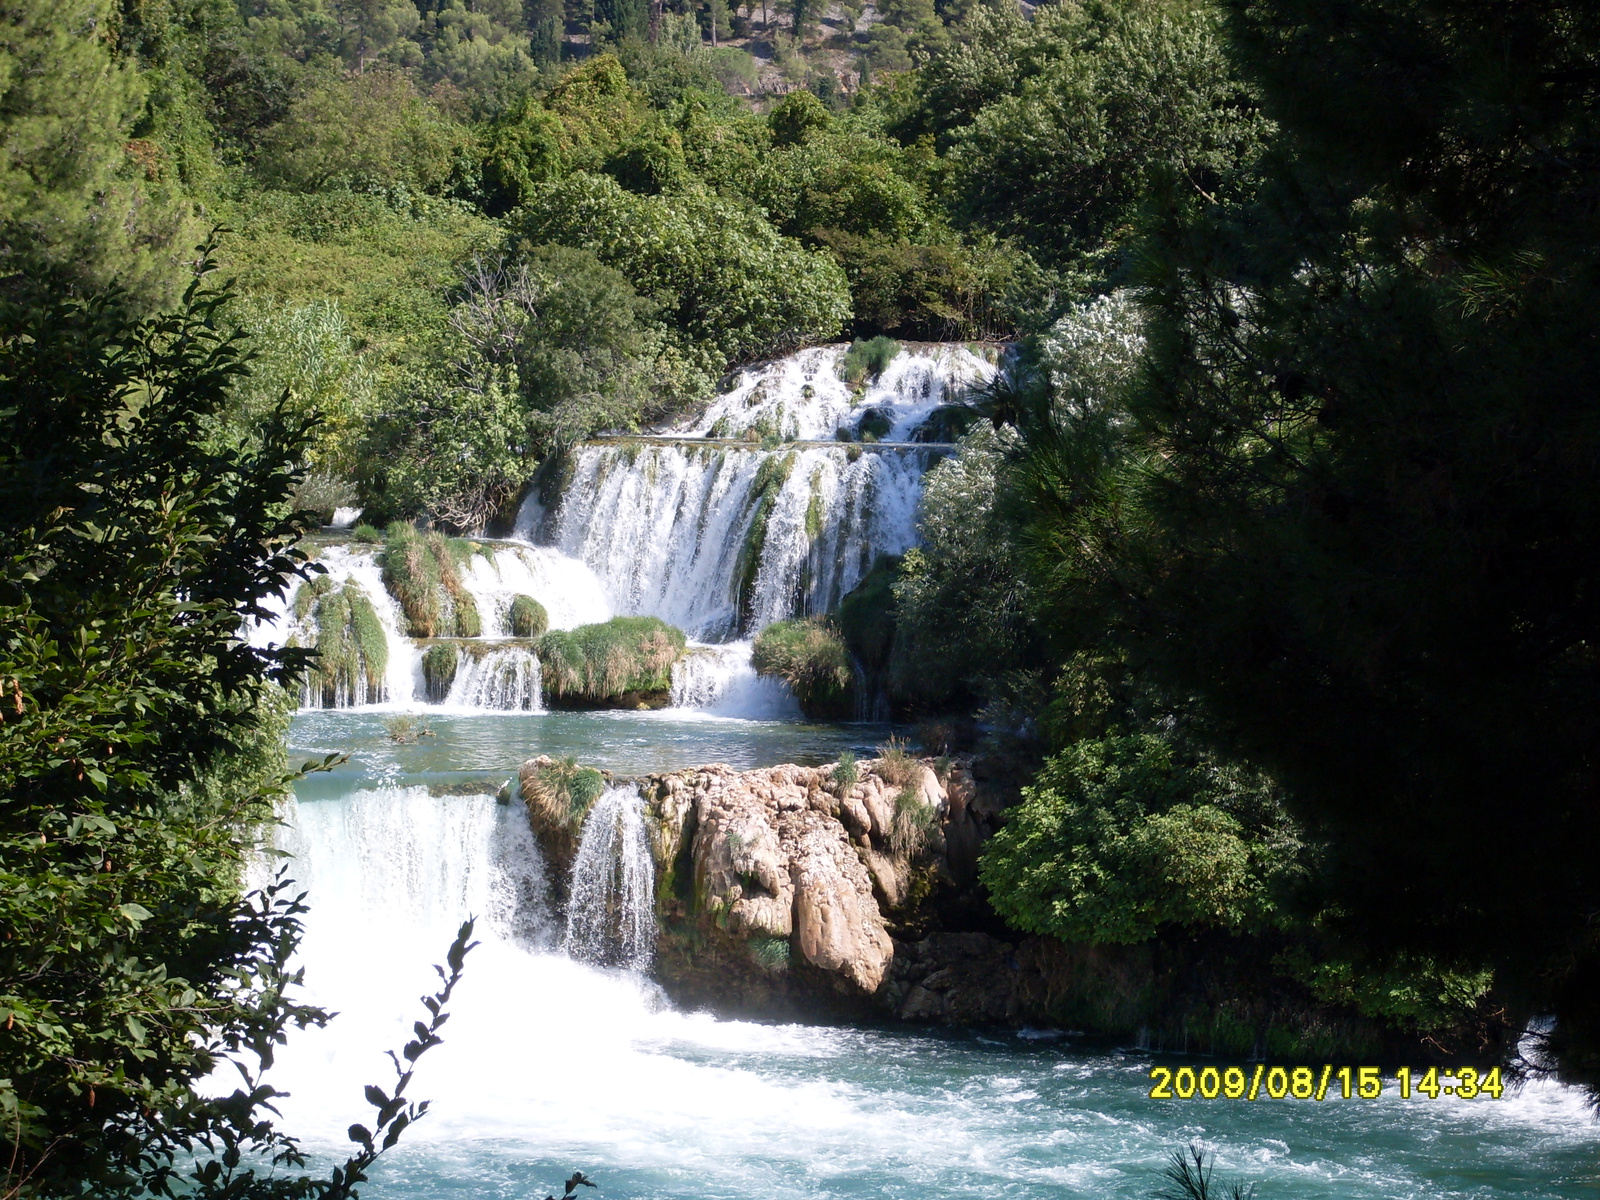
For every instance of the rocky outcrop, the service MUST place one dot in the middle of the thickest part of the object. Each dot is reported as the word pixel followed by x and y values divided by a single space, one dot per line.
pixel 782 890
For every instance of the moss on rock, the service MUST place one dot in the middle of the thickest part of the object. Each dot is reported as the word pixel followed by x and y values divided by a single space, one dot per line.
pixel 528 618
pixel 439 665
pixel 352 648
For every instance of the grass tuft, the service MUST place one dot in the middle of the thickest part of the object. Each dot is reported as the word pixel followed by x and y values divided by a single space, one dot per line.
pixel 810 656
pixel 600 664
pixel 528 618
pixel 896 765
pixel 867 359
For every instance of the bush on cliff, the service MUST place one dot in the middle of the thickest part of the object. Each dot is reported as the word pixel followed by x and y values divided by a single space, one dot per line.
pixel 352 648
pixel 810 656
pixel 563 792
pixel 1122 835
pixel 626 659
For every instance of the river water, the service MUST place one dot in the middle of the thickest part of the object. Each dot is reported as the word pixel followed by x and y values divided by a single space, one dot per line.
pixel 549 1065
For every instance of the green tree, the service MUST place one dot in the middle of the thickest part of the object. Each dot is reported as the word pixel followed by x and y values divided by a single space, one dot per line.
pixel 1350 500
pixel 140 750
pixel 1122 835
pixel 80 202
pixel 364 130
pixel 728 284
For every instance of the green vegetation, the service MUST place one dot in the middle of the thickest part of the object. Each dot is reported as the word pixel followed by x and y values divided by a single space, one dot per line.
pixel 439 666
pixel 810 656
pixel 626 660
pixel 914 825
pixel 352 649
pixel 528 618
pixel 867 360
pixel 896 765
pixel 135 964
pixel 564 792
pixel 421 570
pixel 845 772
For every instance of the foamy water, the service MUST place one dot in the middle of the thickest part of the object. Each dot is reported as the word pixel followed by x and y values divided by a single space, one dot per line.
pixel 550 1065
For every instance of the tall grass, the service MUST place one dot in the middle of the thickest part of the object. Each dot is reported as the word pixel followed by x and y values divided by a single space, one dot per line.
pixel 528 618
pixel 352 649
pixel 896 765
pixel 421 571
pixel 563 793
pixel 810 656
pixel 600 664
pixel 867 359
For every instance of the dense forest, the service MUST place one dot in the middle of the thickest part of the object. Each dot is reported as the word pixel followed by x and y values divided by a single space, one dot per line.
pixel 1264 562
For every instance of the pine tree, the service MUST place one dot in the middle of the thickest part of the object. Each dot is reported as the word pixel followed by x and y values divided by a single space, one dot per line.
pixel 80 202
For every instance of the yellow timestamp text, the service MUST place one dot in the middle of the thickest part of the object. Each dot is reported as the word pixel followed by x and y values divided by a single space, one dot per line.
pixel 1308 1083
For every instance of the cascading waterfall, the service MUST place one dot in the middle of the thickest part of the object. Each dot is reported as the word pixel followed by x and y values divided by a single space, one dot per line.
pixel 611 918
pixel 716 540
pixel 719 532
pixel 720 680
pixel 506 679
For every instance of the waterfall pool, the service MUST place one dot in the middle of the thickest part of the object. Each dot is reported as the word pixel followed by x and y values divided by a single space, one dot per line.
pixel 551 1065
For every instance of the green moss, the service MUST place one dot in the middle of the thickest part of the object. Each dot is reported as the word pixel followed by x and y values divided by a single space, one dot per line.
pixel 309 592
pixel 438 671
pixel 810 656
pixel 874 425
pixel 352 649
pixel 603 664
pixel 528 618
pixel 814 507
pixel 867 615
pixel 772 473
pixel 366 534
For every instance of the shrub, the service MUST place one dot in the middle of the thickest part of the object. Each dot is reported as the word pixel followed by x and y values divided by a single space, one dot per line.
pixel 564 792
pixel 404 728
pixel 528 618
pixel 438 671
pixel 603 664
pixel 810 656
pixel 845 772
pixel 874 425
pixel 896 765
pixel 1121 835
pixel 366 534
pixel 867 359
pixel 770 953
pixel 730 285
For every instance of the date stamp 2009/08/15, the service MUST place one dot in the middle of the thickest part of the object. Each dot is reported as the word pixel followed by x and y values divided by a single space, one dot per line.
pixel 1307 1083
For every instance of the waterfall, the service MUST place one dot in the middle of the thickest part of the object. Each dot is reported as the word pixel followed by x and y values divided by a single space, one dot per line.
pixel 720 680
pixel 716 540
pixel 507 678
pixel 611 919
pixel 803 396
pixel 721 537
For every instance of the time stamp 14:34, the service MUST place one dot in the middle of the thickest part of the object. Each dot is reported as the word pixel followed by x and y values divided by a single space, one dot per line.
pixel 1308 1083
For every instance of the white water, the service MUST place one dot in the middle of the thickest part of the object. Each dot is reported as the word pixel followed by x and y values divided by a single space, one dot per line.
pixel 719 680
pixel 802 395
pixel 507 679
pixel 663 526
pixel 550 1065
pixel 611 905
